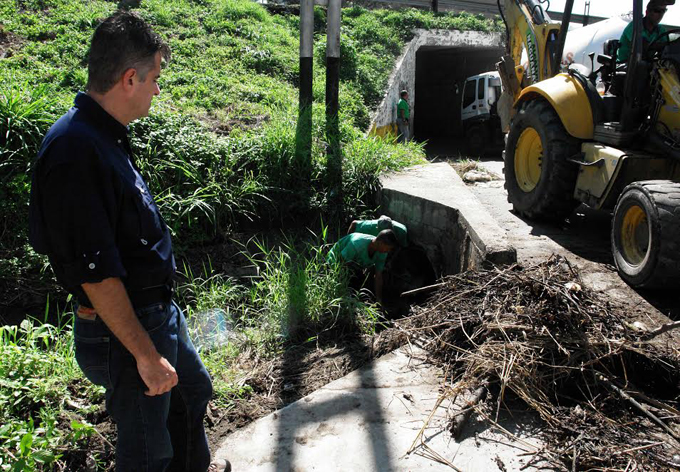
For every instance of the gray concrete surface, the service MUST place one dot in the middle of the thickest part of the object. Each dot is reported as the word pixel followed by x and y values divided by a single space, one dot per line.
pixel 368 420
pixel 445 218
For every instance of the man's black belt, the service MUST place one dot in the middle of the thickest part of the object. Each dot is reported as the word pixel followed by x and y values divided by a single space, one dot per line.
pixel 149 296
pixel 142 297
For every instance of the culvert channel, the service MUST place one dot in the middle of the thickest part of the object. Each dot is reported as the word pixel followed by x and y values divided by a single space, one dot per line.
pixel 441 73
pixel 433 68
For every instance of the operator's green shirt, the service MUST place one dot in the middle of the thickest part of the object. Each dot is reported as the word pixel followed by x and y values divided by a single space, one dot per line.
pixel 371 227
pixel 403 105
pixel 626 41
pixel 354 248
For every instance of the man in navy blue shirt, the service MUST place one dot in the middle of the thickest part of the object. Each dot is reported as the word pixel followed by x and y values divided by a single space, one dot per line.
pixel 93 215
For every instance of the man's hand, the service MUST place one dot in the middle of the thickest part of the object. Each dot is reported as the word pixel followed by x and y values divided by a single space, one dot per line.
pixel 110 300
pixel 159 375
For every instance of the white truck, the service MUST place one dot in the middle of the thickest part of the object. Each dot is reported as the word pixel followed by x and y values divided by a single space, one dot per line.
pixel 480 121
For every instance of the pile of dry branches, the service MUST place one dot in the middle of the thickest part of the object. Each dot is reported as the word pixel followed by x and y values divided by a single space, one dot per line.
pixel 607 390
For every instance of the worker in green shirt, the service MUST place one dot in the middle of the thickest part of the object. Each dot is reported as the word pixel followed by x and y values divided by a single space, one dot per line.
pixel 651 30
pixel 364 251
pixel 403 118
pixel 373 227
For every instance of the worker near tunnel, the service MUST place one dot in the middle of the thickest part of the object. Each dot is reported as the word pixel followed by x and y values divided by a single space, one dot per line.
pixel 651 29
pixel 403 118
pixel 374 227
pixel 363 252
pixel 93 215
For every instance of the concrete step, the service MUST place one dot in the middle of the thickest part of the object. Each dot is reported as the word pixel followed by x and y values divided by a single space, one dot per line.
pixel 368 421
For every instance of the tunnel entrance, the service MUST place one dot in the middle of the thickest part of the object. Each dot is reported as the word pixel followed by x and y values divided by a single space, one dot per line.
pixel 407 269
pixel 440 75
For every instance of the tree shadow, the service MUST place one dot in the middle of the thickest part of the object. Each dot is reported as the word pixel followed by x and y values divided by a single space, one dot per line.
pixel 294 365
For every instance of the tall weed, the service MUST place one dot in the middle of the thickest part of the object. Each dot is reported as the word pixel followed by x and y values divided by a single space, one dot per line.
pixel 25 115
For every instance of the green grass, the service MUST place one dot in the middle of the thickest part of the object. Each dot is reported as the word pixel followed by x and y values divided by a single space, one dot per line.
pixel 218 151
pixel 43 398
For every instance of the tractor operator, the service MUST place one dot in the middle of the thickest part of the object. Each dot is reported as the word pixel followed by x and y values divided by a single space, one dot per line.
pixel 651 30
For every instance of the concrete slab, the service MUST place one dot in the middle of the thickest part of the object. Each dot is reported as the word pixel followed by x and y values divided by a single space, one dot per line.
pixel 367 421
pixel 446 218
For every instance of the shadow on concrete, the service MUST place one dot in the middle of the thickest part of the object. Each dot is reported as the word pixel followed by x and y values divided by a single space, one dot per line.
pixel 441 149
pixel 584 233
pixel 293 368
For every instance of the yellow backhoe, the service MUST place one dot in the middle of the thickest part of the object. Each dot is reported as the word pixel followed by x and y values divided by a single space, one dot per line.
pixel 615 149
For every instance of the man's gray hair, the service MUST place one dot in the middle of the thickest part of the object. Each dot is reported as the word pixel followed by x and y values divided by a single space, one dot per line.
pixel 122 41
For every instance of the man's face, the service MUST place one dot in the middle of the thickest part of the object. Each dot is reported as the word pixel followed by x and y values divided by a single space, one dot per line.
pixel 406 96
pixel 147 88
pixel 384 248
pixel 655 14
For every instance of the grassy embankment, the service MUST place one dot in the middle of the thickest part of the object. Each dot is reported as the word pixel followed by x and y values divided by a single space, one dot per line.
pixel 219 152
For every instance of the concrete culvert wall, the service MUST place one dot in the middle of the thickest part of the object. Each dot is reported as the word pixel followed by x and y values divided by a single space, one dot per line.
pixel 440 59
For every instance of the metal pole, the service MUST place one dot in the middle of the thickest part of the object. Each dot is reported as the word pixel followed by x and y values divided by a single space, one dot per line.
pixel 564 28
pixel 303 142
pixel 333 57
pixel 334 155
pixel 435 6
pixel 629 113
pixel 306 51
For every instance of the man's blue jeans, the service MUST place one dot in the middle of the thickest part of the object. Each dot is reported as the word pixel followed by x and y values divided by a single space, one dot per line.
pixel 159 433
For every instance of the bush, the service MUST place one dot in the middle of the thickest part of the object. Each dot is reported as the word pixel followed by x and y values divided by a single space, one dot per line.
pixel 25 115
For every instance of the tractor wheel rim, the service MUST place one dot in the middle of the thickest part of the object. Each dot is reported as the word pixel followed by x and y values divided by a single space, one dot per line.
pixel 635 235
pixel 528 156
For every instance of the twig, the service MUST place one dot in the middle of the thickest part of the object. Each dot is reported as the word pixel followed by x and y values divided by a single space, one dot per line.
pixel 423 289
pixel 661 329
pixel 640 448
pixel 461 419
pixel 636 404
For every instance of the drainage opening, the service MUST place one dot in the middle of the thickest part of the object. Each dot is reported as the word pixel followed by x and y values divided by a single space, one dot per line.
pixel 409 268
pixel 440 76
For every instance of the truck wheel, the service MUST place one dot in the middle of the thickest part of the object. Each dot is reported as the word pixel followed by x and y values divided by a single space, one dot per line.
pixel 538 177
pixel 477 139
pixel 644 238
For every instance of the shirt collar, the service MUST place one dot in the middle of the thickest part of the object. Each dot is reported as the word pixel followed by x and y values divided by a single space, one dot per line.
pixel 105 121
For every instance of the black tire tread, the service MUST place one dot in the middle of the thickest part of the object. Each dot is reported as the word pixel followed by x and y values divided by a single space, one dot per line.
pixel 557 201
pixel 665 197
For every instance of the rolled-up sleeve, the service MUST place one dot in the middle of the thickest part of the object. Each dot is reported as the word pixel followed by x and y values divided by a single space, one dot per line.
pixel 79 209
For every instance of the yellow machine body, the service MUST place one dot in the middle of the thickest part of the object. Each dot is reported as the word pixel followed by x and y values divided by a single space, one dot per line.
pixel 568 99
pixel 669 114
pixel 605 171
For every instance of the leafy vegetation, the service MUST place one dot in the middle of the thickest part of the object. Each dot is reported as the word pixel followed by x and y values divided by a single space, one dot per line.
pixel 219 152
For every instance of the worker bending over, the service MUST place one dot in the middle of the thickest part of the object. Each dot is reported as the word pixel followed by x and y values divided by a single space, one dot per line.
pixel 365 252
pixel 651 29
pixel 374 227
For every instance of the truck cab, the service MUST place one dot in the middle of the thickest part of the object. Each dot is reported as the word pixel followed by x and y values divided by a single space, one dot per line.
pixel 481 125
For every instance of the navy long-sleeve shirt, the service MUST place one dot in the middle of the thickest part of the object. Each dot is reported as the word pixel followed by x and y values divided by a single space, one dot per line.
pixel 91 212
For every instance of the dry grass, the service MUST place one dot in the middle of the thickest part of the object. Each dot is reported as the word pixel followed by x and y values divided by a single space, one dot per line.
pixel 607 393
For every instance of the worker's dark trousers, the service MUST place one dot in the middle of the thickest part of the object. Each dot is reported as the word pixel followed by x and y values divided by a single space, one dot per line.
pixel 159 433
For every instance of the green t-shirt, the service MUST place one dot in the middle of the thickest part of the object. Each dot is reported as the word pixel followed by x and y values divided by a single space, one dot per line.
pixel 371 227
pixel 354 248
pixel 626 41
pixel 402 105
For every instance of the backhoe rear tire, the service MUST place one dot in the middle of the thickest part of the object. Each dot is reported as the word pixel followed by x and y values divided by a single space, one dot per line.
pixel 539 178
pixel 645 234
